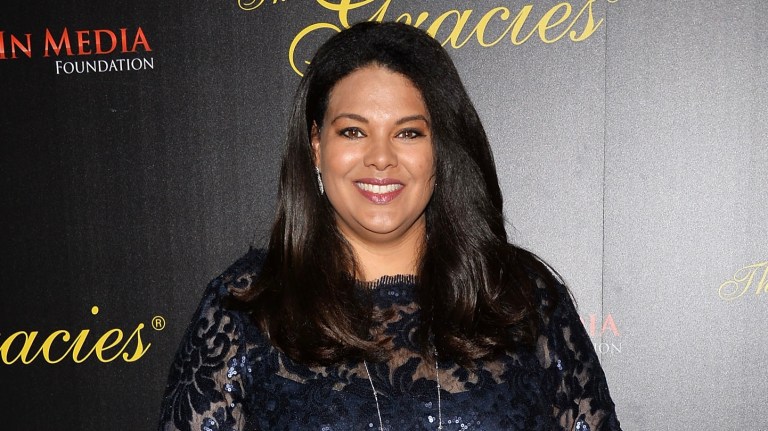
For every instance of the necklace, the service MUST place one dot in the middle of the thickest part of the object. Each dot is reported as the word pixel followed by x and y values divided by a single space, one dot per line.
pixel 376 397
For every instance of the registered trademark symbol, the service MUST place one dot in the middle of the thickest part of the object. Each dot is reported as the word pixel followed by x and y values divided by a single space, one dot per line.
pixel 158 323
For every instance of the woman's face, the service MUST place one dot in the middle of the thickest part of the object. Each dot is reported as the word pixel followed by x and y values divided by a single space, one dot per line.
pixel 374 150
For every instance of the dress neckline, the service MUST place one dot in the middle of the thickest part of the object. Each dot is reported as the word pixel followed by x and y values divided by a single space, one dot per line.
pixel 389 289
pixel 387 281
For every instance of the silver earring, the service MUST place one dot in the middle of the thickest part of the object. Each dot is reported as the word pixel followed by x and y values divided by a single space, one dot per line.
pixel 319 181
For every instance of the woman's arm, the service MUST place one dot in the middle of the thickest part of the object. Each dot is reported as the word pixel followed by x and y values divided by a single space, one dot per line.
pixel 204 388
pixel 582 401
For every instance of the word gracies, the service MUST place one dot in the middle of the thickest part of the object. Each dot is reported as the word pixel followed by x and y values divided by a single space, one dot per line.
pixel 59 345
pixel 457 28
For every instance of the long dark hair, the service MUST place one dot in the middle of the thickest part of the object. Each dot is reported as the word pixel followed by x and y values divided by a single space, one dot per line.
pixel 475 294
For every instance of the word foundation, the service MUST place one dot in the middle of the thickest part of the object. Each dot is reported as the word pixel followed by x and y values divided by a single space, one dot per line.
pixel 101 66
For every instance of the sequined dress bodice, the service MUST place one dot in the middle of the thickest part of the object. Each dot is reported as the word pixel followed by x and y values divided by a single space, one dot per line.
pixel 227 376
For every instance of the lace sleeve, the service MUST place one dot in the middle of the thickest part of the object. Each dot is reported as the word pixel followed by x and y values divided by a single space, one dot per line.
pixel 582 402
pixel 204 390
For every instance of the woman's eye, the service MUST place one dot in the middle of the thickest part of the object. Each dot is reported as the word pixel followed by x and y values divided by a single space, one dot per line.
pixel 409 134
pixel 352 133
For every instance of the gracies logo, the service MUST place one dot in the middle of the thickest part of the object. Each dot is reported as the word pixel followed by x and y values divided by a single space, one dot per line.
pixel 455 28
pixel 60 345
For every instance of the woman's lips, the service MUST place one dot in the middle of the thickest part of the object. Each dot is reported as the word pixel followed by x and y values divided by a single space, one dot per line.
pixel 380 191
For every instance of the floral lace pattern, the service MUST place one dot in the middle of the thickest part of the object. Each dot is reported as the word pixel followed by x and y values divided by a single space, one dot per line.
pixel 226 376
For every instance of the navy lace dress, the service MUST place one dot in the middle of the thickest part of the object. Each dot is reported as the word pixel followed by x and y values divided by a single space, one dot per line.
pixel 226 376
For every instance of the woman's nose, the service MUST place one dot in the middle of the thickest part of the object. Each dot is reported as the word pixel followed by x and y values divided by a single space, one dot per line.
pixel 380 153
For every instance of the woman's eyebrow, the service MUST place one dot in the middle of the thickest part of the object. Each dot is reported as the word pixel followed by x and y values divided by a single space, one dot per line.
pixel 412 118
pixel 362 119
pixel 350 116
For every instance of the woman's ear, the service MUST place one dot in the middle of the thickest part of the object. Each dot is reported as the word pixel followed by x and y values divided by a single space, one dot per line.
pixel 315 140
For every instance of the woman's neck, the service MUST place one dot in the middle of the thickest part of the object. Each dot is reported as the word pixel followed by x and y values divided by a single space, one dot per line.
pixel 395 257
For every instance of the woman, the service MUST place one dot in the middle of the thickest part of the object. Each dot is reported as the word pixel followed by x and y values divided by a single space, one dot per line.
pixel 389 297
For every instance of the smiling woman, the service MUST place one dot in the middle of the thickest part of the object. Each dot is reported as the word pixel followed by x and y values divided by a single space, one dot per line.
pixel 388 296
pixel 375 157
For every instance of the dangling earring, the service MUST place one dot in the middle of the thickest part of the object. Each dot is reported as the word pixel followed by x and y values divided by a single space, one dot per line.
pixel 319 181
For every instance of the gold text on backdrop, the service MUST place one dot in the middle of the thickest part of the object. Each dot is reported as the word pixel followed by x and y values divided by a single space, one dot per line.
pixel 252 4
pixel 462 26
pixel 750 277
pixel 111 345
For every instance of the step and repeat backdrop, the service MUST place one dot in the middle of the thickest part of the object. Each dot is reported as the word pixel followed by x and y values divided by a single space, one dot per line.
pixel 140 150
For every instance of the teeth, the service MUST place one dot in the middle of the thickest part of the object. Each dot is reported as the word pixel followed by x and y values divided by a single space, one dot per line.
pixel 379 189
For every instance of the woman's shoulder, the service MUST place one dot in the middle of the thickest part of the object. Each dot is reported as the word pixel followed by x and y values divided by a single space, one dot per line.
pixel 242 272
pixel 218 307
pixel 238 276
pixel 566 352
pixel 204 380
pixel 549 287
pixel 216 303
